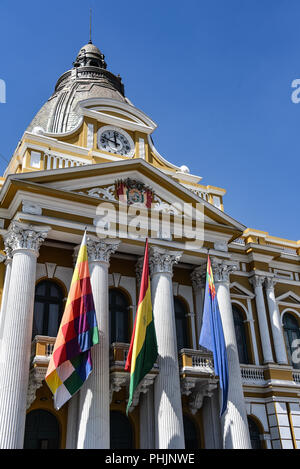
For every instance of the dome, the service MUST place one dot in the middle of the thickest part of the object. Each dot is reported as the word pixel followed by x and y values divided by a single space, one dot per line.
pixel 90 55
pixel 89 78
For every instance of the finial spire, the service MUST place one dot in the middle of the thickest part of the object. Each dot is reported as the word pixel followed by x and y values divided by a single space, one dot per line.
pixel 90 41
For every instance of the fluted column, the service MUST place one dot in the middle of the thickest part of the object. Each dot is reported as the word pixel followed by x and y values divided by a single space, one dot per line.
pixel 8 263
pixel 146 402
pixel 24 242
pixel 198 277
pixel 93 428
pixel 277 333
pixel 169 432
pixel 257 283
pixel 72 422
pixel 234 420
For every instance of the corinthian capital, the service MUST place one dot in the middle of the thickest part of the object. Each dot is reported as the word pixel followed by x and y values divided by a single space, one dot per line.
pixel 222 269
pixel 162 260
pixel 270 283
pixel 257 281
pixel 139 270
pixel 22 236
pixel 101 249
pixel 198 277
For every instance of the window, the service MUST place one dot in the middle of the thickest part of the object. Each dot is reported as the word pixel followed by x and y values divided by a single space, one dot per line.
pixel 121 434
pixel 119 316
pixel 41 430
pixel 291 332
pixel 181 324
pixel 240 333
pixel 48 308
pixel 190 434
pixel 254 434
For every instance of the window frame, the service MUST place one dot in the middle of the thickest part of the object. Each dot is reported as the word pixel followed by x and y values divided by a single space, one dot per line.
pixel 47 300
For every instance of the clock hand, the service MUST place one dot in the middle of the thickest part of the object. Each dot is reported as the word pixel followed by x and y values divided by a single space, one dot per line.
pixel 116 140
pixel 108 139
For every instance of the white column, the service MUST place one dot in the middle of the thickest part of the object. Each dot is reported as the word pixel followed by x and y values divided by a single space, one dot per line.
pixel 234 420
pixel 257 282
pixel 8 263
pixel 72 423
pixel 146 402
pixel 211 421
pixel 279 344
pixel 198 277
pixel 253 335
pixel 24 242
pixel 93 429
pixel 147 432
pixel 169 432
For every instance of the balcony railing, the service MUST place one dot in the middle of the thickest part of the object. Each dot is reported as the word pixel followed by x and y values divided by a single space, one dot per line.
pixel 252 374
pixel 197 361
pixel 118 353
pixel 41 349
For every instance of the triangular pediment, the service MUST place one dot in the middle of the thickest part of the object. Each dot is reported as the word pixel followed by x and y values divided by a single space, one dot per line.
pixel 240 291
pixel 91 183
pixel 289 298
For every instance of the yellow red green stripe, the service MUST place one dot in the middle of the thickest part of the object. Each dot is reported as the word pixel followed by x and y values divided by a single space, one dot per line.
pixel 143 346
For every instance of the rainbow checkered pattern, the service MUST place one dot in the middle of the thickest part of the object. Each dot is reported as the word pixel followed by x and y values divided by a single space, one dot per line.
pixel 71 361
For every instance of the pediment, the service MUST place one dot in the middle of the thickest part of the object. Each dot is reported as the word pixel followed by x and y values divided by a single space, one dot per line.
pixel 289 298
pixel 240 291
pixel 113 112
pixel 95 182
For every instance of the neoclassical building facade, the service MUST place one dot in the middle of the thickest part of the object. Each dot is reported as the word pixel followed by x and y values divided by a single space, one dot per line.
pixel 88 161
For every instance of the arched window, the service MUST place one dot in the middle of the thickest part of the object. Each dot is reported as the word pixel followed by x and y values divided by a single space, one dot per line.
pixel 240 333
pixel 291 332
pixel 41 430
pixel 181 324
pixel 190 434
pixel 121 434
pixel 119 316
pixel 48 308
pixel 254 434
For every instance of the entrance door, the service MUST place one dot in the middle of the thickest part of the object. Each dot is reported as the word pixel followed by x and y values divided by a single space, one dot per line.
pixel 41 431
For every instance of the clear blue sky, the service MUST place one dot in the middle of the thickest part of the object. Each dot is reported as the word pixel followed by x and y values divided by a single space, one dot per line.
pixel 214 74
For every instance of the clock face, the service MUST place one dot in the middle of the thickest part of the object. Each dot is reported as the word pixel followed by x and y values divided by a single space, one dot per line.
pixel 115 141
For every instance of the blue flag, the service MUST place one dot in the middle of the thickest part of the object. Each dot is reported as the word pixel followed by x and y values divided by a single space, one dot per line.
pixel 212 335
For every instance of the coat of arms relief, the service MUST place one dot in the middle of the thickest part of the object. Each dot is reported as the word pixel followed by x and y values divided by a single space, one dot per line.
pixel 131 192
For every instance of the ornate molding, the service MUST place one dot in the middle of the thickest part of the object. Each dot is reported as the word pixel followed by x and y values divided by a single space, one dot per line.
pixel 198 277
pixel 121 379
pixel 21 236
pixel 270 283
pixel 101 250
pixel 106 193
pixel 222 269
pixel 257 281
pixel 202 390
pixel 139 270
pixel 162 260
pixel 36 377
pixel 117 381
pixel 143 388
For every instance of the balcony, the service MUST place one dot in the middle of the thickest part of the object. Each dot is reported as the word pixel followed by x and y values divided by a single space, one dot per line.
pixel 120 378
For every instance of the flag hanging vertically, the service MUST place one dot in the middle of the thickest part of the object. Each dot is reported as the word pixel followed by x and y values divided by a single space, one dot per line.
pixel 71 361
pixel 212 335
pixel 143 346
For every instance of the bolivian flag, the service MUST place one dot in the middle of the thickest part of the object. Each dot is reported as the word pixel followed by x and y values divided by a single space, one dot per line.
pixel 143 346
